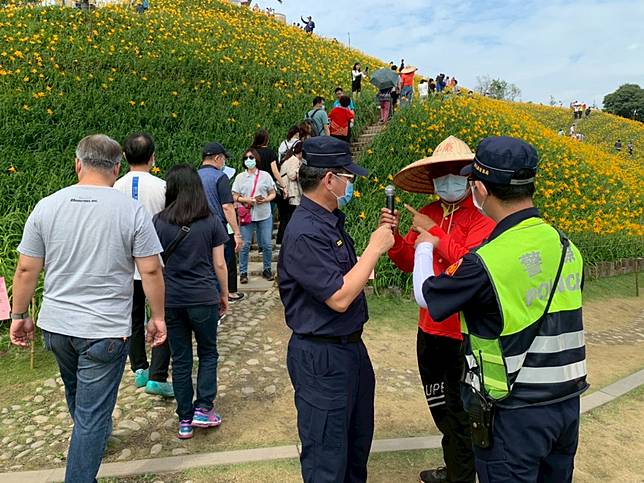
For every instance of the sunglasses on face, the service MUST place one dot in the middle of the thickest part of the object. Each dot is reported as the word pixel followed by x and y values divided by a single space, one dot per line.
pixel 248 157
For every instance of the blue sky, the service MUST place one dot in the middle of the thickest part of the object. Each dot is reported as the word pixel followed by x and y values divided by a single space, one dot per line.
pixel 574 49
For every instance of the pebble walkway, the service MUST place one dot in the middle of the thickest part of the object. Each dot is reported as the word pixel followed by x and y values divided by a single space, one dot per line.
pixel 632 333
pixel 251 369
pixel 251 364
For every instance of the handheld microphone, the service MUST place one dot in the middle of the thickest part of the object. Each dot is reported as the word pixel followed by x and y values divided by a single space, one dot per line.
pixel 390 193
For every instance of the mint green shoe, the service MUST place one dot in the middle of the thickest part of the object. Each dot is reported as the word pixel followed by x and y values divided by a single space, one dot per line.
pixel 159 388
pixel 141 377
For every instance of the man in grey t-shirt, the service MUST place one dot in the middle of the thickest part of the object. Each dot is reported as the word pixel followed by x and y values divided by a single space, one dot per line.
pixel 88 237
pixel 319 117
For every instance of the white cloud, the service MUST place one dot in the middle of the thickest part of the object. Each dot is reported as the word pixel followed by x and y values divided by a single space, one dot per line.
pixel 575 49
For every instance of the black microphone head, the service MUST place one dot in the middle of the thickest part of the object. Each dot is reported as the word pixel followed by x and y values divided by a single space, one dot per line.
pixel 390 190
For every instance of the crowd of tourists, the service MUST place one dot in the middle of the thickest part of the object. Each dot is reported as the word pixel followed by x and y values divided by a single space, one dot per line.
pixel 112 246
pixel 402 90
pixel 580 109
pixel 180 239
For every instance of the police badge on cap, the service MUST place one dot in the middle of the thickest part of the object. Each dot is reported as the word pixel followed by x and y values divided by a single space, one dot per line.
pixel 499 159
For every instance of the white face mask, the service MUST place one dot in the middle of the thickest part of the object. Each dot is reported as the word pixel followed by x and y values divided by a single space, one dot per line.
pixel 476 203
pixel 450 188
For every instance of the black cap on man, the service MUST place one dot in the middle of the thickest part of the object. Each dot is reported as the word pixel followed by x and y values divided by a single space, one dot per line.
pixel 329 152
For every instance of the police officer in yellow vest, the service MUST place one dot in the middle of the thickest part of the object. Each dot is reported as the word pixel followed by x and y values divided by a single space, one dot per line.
pixel 520 298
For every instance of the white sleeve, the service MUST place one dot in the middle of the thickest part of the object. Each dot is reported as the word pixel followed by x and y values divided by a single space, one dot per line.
pixel 237 184
pixel 423 269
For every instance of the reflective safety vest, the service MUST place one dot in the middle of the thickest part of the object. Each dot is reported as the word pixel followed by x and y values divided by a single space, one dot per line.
pixel 538 358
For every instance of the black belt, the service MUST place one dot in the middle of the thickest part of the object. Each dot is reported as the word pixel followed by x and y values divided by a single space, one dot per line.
pixel 334 339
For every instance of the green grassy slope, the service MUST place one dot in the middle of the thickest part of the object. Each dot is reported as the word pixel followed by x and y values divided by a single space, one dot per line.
pixel 187 73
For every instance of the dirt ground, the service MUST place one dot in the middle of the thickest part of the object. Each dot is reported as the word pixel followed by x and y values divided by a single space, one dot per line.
pixel 261 419
pixel 392 345
pixel 611 447
pixel 608 362
pixel 616 313
pixel 401 409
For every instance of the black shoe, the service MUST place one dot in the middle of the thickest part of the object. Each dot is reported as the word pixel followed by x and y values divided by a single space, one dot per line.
pixel 236 298
pixel 243 278
pixel 268 275
pixel 435 475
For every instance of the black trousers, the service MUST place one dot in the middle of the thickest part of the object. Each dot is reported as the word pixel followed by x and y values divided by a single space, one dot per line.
pixel 440 362
pixel 138 357
pixel 231 263
pixel 284 213
pixel 285 217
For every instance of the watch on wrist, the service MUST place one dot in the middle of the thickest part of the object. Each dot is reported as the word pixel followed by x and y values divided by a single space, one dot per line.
pixel 19 315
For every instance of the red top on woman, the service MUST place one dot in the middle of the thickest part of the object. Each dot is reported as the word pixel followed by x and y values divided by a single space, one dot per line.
pixel 459 230
pixel 341 116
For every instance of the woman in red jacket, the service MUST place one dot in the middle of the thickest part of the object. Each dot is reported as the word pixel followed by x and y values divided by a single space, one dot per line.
pixel 458 227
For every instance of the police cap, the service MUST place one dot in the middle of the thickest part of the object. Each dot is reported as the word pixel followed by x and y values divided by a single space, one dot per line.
pixel 331 153
pixel 499 159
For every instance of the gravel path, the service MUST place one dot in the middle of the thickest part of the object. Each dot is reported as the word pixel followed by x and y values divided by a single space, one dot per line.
pixel 36 430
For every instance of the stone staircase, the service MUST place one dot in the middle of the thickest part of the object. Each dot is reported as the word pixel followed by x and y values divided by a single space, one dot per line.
pixel 365 139
pixel 255 265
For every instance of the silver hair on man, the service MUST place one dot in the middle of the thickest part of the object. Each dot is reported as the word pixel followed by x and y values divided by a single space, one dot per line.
pixel 99 151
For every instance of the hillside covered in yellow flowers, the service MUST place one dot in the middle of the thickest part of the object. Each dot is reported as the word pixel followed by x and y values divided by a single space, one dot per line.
pixel 594 196
pixel 187 72
pixel 600 129
pixel 192 72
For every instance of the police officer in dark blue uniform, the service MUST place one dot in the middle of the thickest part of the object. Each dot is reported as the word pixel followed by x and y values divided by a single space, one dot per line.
pixel 519 294
pixel 321 284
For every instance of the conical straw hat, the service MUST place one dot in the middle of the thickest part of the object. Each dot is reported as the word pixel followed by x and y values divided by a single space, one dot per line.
pixel 409 69
pixel 449 157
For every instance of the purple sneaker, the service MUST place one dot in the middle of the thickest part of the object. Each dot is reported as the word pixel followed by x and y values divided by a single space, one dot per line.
pixel 205 419
pixel 185 429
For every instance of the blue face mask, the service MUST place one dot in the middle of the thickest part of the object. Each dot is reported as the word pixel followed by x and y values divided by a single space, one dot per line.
pixel 450 188
pixel 250 163
pixel 348 194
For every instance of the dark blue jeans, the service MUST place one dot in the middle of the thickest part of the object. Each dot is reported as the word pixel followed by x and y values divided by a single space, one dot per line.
pixel 91 370
pixel 181 323
pixel 138 357
pixel 264 229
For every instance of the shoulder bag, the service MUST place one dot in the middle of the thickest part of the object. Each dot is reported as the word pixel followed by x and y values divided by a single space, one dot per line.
pixel 245 216
pixel 167 253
